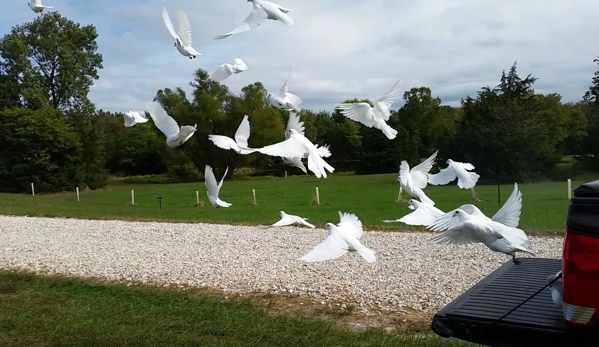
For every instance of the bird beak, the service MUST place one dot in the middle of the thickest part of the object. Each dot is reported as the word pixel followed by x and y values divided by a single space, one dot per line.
pixel 454 214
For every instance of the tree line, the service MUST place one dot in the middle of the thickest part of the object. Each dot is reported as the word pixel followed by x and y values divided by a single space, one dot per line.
pixel 51 134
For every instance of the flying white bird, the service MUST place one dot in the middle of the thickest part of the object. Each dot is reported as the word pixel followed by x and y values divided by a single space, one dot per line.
pixel 466 180
pixel 227 69
pixel 240 144
pixel 213 189
pixel 508 214
pixel 556 289
pixel 262 11
pixel 288 219
pixel 37 7
pixel 414 181
pixel 294 122
pixel 342 238
pixel 473 229
pixel 373 117
pixel 285 100
pixel 175 136
pixel 296 145
pixel 424 214
pixel 132 117
pixel 182 35
pixel 470 225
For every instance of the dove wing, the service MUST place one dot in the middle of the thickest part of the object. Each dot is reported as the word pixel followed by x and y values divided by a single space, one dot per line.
pixel 294 122
pixel 509 213
pixel 222 73
pixel 323 151
pixel 255 18
pixel 350 223
pixel 243 132
pixel 210 181
pixel 183 27
pixel 442 177
pixel 239 64
pixel 404 173
pixel 284 89
pixel 420 216
pixel 284 221
pixel 169 24
pixel 138 117
pixel 420 171
pixel 220 184
pixel 162 120
pixel 289 148
pixel 465 166
pixel 383 104
pixel 331 248
pixel 470 231
pixel 223 142
pixel 360 112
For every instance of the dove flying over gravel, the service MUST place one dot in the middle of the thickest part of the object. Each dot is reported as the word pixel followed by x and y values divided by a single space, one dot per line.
pixel 240 144
pixel 288 219
pixel 414 181
pixel 424 214
pixel 37 7
pixel 227 69
pixel 285 100
pixel 213 189
pixel 342 238
pixel 262 11
pixel 376 117
pixel 294 122
pixel 175 136
pixel 296 145
pixel 466 180
pixel 132 117
pixel 182 35
pixel 468 224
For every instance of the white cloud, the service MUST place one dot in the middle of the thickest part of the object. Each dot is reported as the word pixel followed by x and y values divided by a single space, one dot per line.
pixel 342 50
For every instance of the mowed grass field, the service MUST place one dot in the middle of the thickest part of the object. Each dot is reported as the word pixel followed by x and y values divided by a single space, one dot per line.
pixel 55 311
pixel 371 198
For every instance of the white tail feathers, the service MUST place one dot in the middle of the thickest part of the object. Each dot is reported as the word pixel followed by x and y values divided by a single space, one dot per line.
pixel 469 182
pixel 366 253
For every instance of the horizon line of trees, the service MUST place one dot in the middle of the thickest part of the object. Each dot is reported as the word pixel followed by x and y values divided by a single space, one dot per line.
pixel 52 135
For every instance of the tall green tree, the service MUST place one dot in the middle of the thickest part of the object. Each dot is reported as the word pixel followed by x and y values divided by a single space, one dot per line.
pixel 49 61
pixel 590 106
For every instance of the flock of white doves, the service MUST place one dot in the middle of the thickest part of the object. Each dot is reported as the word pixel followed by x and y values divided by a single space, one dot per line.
pixel 464 225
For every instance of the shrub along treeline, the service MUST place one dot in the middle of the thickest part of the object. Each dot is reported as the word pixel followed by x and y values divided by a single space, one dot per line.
pixel 52 135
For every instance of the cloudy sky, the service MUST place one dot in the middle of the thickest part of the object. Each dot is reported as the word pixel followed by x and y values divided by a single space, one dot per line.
pixel 342 49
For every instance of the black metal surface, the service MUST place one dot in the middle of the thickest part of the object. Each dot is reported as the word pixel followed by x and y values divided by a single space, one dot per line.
pixel 590 189
pixel 537 322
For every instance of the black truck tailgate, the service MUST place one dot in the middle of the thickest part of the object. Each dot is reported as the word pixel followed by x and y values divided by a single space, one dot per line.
pixel 538 322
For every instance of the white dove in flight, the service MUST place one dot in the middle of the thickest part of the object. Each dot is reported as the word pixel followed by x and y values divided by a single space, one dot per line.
pixel 133 117
pixel 213 189
pixel 342 238
pixel 227 69
pixel 182 35
pixel 424 214
pixel 240 144
pixel 297 145
pixel 294 122
pixel 262 11
pixel 37 7
pixel 288 219
pixel 175 136
pixel 376 117
pixel 466 180
pixel 285 100
pixel 414 181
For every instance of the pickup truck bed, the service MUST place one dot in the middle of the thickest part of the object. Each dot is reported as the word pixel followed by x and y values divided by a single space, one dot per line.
pixel 538 322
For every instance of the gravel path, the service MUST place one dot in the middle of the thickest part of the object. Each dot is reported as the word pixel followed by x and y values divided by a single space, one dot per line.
pixel 410 272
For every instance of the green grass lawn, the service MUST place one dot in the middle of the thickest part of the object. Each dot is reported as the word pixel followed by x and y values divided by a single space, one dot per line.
pixel 370 197
pixel 53 311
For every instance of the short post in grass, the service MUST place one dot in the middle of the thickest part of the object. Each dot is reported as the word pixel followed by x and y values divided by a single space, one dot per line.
pixel 132 197
pixel 399 199
pixel 285 173
pixel 197 197
pixel 499 194
pixel 474 196
pixel 159 198
pixel 569 189
pixel 77 189
pixel 254 203
pixel 32 189
pixel 317 196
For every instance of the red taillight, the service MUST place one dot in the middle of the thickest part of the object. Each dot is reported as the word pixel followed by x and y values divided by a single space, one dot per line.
pixel 580 279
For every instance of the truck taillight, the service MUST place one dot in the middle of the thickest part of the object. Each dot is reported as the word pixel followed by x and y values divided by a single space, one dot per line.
pixel 580 279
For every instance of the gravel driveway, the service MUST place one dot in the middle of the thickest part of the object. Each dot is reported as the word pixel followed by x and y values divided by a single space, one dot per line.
pixel 410 272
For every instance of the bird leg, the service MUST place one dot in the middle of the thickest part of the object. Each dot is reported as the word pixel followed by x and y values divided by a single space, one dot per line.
pixel 517 262
pixel 194 57
pixel 190 57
